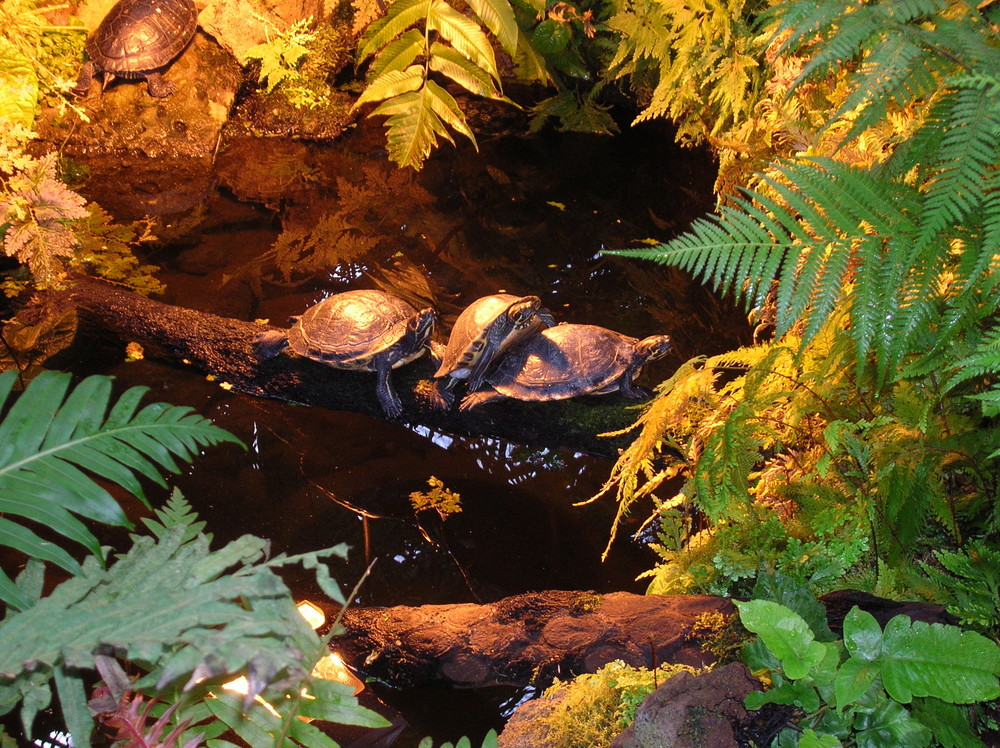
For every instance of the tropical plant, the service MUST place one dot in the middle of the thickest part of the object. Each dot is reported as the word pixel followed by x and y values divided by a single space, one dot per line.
pixel 905 684
pixel 868 426
pixel 187 617
pixel 416 38
pixel 695 62
pixel 56 443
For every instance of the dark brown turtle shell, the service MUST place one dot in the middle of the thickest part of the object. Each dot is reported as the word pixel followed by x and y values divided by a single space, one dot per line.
pixel 140 36
pixel 568 361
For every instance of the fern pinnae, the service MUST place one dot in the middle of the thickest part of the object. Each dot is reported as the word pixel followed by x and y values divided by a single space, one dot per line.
pixel 456 67
pixel 463 34
pixel 391 85
pixel 498 16
pixel 398 54
pixel 401 15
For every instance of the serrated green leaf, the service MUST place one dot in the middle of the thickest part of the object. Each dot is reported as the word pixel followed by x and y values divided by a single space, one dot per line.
pixel 471 77
pixel 498 15
pixel 19 83
pixel 890 726
pixel 464 34
pixel 397 54
pixel 392 85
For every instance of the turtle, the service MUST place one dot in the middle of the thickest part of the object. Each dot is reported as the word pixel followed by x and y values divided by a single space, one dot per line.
pixel 484 329
pixel 138 39
pixel 567 361
pixel 360 330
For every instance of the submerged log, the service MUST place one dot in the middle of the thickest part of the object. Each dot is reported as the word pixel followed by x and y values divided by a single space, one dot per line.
pixel 223 348
pixel 526 639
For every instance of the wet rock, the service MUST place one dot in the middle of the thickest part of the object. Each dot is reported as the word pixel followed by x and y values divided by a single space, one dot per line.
pixel 690 711
pixel 150 156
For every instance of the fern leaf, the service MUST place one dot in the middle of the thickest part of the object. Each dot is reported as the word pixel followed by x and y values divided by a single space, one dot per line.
pixel 397 54
pixel 401 15
pixel 498 15
pixel 392 84
pixel 970 150
pixel 415 123
pixel 463 34
pixel 458 68
pixel 52 443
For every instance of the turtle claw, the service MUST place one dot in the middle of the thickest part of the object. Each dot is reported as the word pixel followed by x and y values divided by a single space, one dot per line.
pixel 440 396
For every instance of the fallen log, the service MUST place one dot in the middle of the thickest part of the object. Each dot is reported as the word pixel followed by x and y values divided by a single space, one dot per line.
pixel 223 347
pixel 532 638
pixel 526 639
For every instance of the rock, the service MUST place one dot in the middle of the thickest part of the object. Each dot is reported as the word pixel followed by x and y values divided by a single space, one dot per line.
pixel 690 711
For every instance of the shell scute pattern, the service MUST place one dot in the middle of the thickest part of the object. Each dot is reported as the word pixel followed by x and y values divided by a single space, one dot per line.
pixel 569 361
pixel 141 35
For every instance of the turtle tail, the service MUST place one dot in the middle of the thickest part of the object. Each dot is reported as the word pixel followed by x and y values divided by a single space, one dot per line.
pixel 269 344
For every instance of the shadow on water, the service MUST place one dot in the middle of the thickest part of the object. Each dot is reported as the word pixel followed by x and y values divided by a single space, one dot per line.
pixel 526 215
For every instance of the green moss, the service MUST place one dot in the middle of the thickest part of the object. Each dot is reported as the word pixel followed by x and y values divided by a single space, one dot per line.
pixel 591 710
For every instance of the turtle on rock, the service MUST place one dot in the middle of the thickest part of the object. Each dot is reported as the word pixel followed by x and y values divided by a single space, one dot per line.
pixel 484 329
pixel 139 39
pixel 568 361
pixel 362 330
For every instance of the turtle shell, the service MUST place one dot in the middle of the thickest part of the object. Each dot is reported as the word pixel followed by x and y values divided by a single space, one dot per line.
pixel 479 324
pixel 350 330
pixel 138 36
pixel 565 361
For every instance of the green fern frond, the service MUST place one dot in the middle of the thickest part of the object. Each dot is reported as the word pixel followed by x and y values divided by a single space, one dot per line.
pixel 397 55
pixel 463 34
pixel 53 440
pixel 452 64
pixel 498 17
pixel 969 152
pixel 401 15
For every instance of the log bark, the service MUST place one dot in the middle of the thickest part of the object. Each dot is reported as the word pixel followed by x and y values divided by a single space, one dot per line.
pixel 526 639
pixel 223 348
pixel 532 638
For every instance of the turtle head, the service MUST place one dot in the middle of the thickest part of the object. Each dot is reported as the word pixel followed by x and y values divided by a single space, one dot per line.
pixel 420 326
pixel 654 347
pixel 524 312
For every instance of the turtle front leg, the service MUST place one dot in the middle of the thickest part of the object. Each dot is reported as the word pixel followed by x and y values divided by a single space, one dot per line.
pixel 387 396
pixel 83 81
pixel 630 389
pixel 158 86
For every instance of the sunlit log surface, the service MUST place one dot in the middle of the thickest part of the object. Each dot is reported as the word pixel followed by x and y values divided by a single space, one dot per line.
pixel 525 639
pixel 535 637
pixel 223 347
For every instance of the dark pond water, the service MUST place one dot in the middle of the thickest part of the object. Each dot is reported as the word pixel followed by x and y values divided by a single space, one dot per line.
pixel 525 215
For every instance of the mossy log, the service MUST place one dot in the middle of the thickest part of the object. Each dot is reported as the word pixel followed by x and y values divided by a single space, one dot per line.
pixel 532 638
pixel 526 639
pixel 223 347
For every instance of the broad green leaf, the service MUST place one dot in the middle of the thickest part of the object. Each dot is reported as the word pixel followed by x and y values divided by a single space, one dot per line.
pixel 890 726
pixel 949 723
pixel 862 635
pixel 785 633
pixel 530 63
pixel 13 596
pixel 810 739
pixel 853 679
pixel 799 693
pixel 920 659
pixel 550 37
